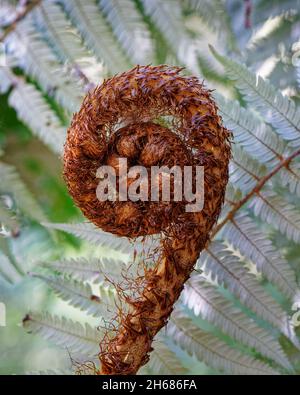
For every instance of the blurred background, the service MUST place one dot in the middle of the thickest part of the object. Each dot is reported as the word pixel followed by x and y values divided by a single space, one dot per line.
pixel 53 52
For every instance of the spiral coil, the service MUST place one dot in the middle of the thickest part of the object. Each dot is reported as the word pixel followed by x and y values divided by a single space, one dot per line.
pixel 152 116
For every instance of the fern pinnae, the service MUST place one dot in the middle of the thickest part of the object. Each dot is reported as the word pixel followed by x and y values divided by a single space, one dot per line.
pixel 259 140
pixel 36 113
pixel 38 60
pixel 8 271
pixel 279 110
pixel 90 233
pixel 92 269
pixel 87 18
pixel 208 10
pixel 166 15
pixel 242 233
pixel 129 28
pixel 163 361
pixel 215 353
pixel 61 35
pixel 278 213
pixel 245 172
pixel 228 271
pixel 204 299
pixel 256 137
pixel 64 332
pixel 80 295
pixel 7 79
pixel 12 184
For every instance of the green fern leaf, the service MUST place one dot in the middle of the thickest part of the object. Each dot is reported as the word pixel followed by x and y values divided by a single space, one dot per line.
pixel 67 44
pixel 80 295
pixel 278 110
pixel 8 271
pixel 35 112
pixel 64 332
pixel 89 21
pixel 246 237
pixel 215 353
pixel 167 16
pixel 163 361
pixel 12 184
pixel 36 59
pixel 226 268
pixel 92 269
pixel 130 29
pixel 203 298
pixel 278 213
pixel 90 233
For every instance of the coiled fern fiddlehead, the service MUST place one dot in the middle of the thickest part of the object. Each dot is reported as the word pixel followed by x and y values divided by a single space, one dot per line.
pixel 122 118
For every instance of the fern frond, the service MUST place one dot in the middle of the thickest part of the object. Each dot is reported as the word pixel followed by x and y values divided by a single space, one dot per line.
pixel 64 39
pixel 214 14
pixel 92 269
pixel 245 172
pixel 64 332
pixel 204 299
pixel 6 78
pixel 36 113
pixel 290 177
pixel 36 59
pixel 129 28
pixel 90 233
pixel 278 110
pixel 215 353
pixel 8 223
pixel 266 30
pixel 257 138
pixel 163 361
pixel 12 184
pixel 244 235
pixel 167 16
pixel 93 27
pixel 80 295
pixel 228 271
pixel 7 270
pixel 278 213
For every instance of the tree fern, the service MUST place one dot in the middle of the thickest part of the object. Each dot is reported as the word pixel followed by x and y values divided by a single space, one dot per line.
pixel 56 51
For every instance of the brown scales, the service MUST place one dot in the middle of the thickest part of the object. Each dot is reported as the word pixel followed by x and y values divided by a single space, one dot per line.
pixel 123 118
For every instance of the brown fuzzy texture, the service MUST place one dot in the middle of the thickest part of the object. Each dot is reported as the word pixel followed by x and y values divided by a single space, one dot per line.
pixel 123 118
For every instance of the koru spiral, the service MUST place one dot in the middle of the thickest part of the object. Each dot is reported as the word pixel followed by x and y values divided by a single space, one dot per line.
pixel 151 116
